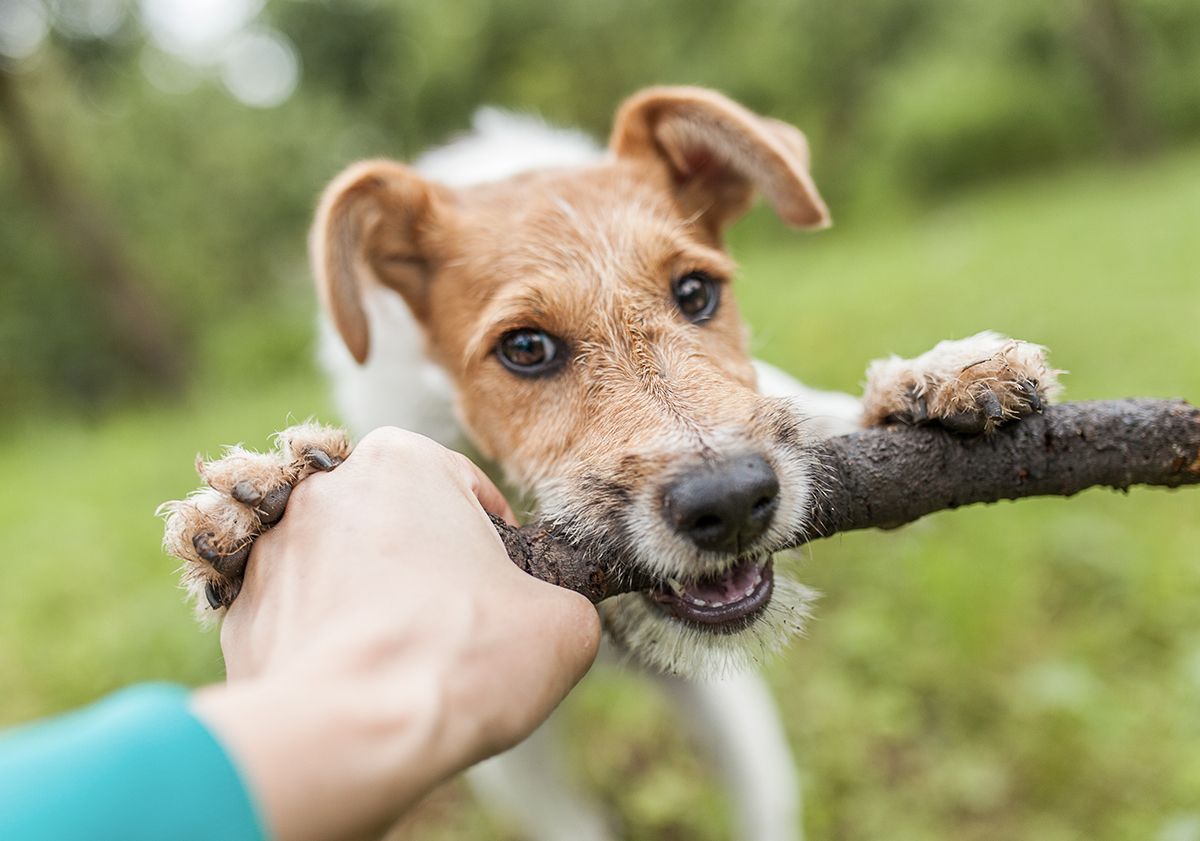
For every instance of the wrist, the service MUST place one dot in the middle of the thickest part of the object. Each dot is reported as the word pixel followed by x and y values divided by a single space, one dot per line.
pixel 328 757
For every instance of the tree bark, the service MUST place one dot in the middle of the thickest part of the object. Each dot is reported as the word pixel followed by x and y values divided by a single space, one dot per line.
pixel 138 321
pixel 889 476
pixel 1112 57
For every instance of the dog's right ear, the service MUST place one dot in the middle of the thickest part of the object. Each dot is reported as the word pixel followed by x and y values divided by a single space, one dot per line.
pixel 372 226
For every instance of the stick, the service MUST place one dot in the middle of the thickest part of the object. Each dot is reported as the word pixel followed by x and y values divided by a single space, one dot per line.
pixel 888 476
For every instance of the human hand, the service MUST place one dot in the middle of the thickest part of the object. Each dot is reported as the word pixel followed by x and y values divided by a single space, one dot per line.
pixel 383 641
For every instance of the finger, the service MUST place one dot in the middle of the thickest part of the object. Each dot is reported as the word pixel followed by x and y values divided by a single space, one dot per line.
pixel 486 492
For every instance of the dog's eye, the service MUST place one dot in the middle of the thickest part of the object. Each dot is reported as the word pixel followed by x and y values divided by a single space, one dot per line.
pixel 696 295
pixel 528 351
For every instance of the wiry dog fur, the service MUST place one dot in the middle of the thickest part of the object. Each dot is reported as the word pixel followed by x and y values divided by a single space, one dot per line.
pixel 423 269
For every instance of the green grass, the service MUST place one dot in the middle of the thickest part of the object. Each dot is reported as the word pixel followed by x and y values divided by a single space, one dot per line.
pixel 89 601
pixel 1026 670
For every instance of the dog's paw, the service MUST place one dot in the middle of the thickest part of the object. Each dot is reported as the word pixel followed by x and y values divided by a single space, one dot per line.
pixel 969 386
pixel 245 494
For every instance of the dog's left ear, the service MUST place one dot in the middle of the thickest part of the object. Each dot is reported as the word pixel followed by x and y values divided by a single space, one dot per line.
pixel 718 153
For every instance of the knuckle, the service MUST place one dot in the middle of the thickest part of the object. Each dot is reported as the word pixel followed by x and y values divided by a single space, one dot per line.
pixel 304 494
pixel 401 447
pixel 588 622
pixel 463 466
pixel 392 440
pixel 578 615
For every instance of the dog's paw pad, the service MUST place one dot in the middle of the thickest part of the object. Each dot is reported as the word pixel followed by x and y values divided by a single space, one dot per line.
pixel 214 529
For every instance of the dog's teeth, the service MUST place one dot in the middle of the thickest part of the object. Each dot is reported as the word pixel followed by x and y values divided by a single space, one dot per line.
pixel 716 604
pixel 675 585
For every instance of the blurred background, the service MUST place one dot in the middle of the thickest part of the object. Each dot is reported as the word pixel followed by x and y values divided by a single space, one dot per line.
pixel 1024 671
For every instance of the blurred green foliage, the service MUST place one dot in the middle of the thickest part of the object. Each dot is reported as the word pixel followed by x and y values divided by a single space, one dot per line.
pixel 905 101
pixel 1019 671
pixel 1027 671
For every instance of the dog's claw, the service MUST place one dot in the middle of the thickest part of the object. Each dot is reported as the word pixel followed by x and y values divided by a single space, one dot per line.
pixel 989 404
pixel 988 415
pixel 270 507
pixel 247 494
pixel 964 423
pixel 230 565
pixel 321 460
pixel 1030 388
pixel 221 594
pixel 204 548
pixel 915 414
pixel 920 409
pixel 210 593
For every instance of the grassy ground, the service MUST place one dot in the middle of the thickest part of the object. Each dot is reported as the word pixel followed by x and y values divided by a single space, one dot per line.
pixel 1021 671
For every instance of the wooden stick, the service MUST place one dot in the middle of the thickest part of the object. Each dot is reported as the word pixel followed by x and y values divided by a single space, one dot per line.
pixel 888 476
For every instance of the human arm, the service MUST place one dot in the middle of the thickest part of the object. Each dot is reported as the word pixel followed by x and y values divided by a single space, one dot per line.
pixel 383 641
pixel 131 767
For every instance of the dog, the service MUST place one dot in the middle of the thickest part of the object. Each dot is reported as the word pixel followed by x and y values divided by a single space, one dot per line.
pixel 568 313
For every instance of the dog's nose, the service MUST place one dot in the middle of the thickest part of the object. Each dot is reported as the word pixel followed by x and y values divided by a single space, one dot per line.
pixel 722 507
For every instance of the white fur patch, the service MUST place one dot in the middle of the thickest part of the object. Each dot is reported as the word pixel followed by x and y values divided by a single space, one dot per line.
pixel 675 647
pixel 397 385
pixel 502 144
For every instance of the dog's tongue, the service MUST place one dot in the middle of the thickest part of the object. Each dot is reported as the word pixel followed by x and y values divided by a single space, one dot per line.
pixel 724 602
pixel 733 584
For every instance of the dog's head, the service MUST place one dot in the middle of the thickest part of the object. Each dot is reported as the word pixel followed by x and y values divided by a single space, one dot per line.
pixel 586 317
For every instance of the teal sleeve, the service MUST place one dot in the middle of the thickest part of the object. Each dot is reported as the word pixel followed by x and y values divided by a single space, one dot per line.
pixel 135 766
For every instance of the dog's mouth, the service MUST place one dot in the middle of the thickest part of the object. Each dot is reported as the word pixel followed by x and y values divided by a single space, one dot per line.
pixel 722 603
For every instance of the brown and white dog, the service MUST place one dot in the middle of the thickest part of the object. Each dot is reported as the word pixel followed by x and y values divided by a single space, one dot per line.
pixel 568 312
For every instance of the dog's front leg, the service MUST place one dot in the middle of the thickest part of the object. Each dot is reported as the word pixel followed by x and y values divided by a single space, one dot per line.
pixel 737 722
pixel 969 385
pixel 827 412
pixel 531 788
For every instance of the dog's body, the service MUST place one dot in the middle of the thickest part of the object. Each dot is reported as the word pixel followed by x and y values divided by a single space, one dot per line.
pixel 566 312
pixel 732 716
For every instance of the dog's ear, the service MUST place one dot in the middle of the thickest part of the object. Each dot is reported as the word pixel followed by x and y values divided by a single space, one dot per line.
pixel 718 153
pixel 373 225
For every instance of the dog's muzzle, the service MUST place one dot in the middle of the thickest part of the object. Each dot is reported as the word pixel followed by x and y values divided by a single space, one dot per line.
pixel 722 507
